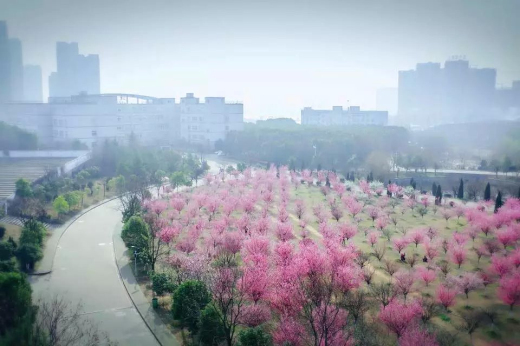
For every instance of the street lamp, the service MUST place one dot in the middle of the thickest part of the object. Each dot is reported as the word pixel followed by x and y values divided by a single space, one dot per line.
pixel 135 259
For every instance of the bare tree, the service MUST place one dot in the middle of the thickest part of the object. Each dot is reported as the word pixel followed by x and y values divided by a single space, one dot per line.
pixel 63 323
pixel 470 321
pixel 390 267
pixel 357 303
pixel 380 251
pixel 383 293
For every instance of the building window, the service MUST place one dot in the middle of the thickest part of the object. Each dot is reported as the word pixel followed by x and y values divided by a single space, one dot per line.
pixel 94 133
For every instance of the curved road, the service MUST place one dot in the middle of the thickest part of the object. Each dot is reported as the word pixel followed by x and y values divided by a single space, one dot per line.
pixel 85 270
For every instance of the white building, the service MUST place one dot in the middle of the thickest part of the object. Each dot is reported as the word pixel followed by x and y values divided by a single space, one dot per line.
pixel 343 117
pixel 210 121
pixel 154 121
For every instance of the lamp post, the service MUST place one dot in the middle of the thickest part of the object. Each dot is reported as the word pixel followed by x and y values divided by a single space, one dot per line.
pixel 135 259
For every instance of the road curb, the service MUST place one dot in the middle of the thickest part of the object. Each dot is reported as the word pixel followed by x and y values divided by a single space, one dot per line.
pixel 162 335
pixel 69 223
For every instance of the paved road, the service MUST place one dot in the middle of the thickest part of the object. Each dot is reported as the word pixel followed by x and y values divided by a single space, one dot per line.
pixel 85 270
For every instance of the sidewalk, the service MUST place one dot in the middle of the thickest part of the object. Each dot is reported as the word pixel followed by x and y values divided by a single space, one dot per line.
pixel 49 251
pixel 143 306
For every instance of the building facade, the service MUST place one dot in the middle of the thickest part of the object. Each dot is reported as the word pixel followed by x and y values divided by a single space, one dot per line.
pixel 343 117
pixel 16 67
pixel 75 74
pixel 206 122
pixel 5 64
pixel 32 83
pixel 431 95
pixel 153 121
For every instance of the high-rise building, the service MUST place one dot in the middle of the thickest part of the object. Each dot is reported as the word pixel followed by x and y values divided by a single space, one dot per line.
pixel 32 83
pixel 16 67
pixel 76 74
pixel 431 95
pixel 5 70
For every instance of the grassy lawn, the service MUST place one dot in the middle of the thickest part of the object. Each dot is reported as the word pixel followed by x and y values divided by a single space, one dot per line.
pixel 11 231
pixel 505 327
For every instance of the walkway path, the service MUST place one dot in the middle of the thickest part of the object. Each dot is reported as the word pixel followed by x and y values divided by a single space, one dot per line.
pixel 85 270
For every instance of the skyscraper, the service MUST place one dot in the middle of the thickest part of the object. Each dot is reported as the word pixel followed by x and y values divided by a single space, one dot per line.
pixel 5 75
pixel 76 74
pixel 430 95
pixel 16 67
pixel 32 83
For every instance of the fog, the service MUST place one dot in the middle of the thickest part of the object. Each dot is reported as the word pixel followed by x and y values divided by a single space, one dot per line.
pixel 275 56
pixel 259 172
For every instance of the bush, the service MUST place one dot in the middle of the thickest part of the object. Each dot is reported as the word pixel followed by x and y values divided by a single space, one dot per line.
pixel 161 284
pixel 135 233
pixel 211 331
pixel 28 255
pixel 2 231
pixel 33 232
pixel 189 299
pixel 254 337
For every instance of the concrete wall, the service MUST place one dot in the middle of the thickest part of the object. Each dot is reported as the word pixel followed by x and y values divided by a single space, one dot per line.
pixel 27 154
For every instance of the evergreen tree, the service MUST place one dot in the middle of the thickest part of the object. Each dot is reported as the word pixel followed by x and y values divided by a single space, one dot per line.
pixel 518 193
pixel 434 189
pixel 371 177
pixel 327 181
pixel 498 201
pixel 439 193
pixel 487 192
pixel 460 194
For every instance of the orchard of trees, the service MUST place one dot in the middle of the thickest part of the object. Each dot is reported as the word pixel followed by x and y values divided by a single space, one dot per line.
pixel 265 257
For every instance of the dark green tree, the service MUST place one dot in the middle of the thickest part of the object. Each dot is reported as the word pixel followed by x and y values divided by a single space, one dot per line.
pixel 189 299
pixel 498 201
pixel 460 193
pixel 254 337
pixel 33 232
pixel 434 189
pixel 161 284
pixel 487 192
pixel 7 261
pixel 518 196
pixel 135 233
pixel 211 331
pixel 28 255
pixel 23 188
pixel 17 310
pixel 439 193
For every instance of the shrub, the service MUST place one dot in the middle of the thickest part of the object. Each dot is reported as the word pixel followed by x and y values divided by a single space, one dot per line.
pixel 161 284
pixel 33 232
pixel 211 331
pixel 135 233
pixel 189 299
pixel 254 337
pixel 29 254
pixel 2 231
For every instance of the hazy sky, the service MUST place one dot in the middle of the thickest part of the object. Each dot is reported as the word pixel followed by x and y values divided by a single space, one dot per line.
pixel 276 56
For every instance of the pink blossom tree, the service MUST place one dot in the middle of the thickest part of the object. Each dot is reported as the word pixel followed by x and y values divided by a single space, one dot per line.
pixel 466 282
pixel 373 237
pixel 398 316
pixel 446 296
pixel 427 275
pixel 404 281
pixel 414 335
pixel 501 265
pixel 417 236
pixel 509 290
pixel 458 255
pixel 400 244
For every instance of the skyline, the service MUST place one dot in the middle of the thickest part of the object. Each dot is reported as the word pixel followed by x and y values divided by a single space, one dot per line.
pixel 295 56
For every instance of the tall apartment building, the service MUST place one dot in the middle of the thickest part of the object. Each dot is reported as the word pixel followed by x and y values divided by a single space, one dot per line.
pixel 32 83
pixel 431 95
pixel 16 67
pixel 338 116
pixel 75 73
pixel 5 64
pixel 154 121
